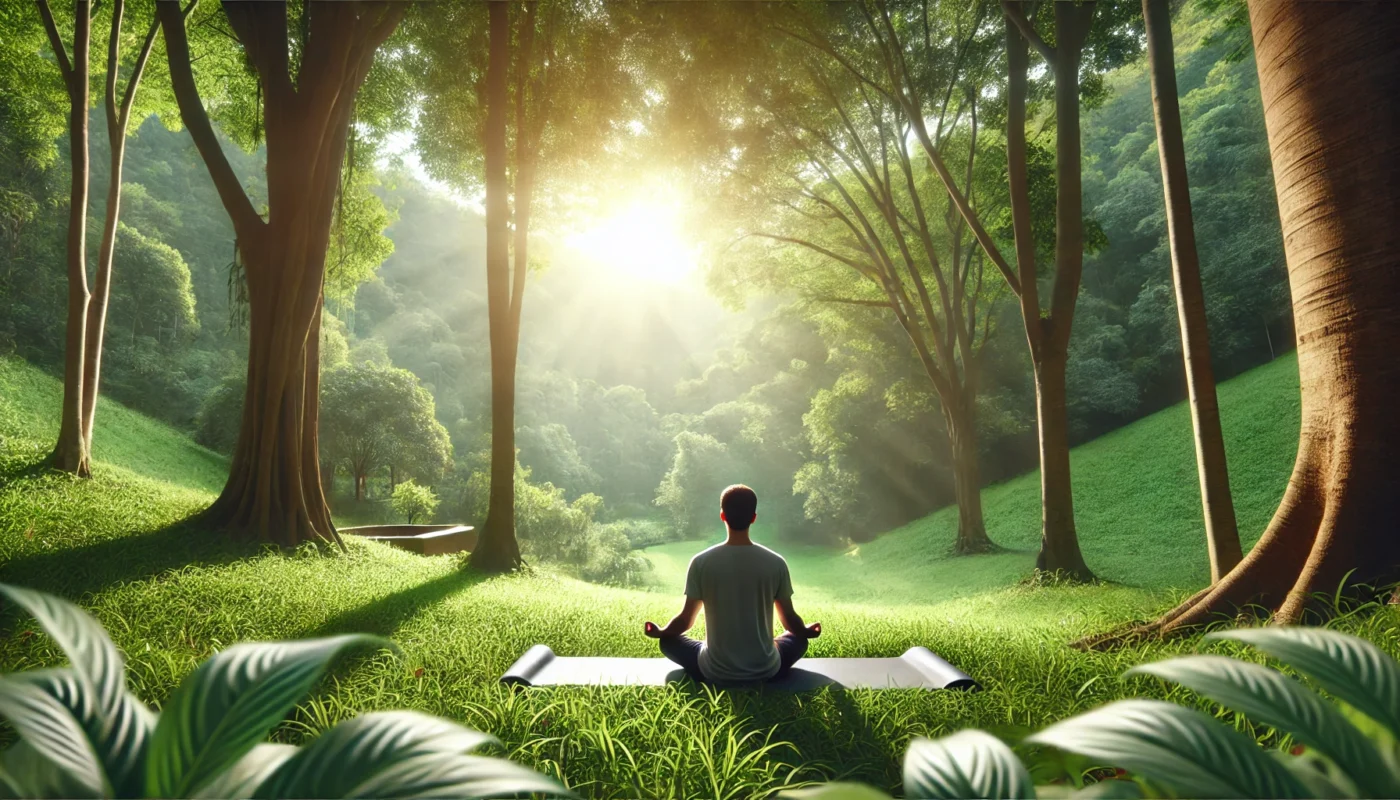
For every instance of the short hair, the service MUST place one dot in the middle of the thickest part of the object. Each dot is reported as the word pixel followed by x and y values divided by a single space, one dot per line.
pixel 739 504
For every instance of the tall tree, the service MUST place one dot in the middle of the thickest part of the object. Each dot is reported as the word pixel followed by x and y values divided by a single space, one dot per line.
pixel 71 453
pixel 308 88
pixel 118 112
pixel 1327 73
pixel 1222 535
pixel 548 62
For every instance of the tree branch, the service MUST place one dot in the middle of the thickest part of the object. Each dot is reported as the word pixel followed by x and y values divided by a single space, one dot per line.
pixel 246 221
pixel 65 67
pixel 1018 17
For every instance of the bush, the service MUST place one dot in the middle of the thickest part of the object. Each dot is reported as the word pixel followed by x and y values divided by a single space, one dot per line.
pixel 82 733
pixel 1171 751
pixel 610 557
pixel 414 501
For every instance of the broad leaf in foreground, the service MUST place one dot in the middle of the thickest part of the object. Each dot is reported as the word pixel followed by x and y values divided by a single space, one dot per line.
pixel 52 733
pixel 454 775
pixel 230 704
pixel 246 774
pixel 1178 748
pixel 90 651
pixel 1266 695
pixel 837 790
pixel 341 760
pixel 968 764
pixel 1349 667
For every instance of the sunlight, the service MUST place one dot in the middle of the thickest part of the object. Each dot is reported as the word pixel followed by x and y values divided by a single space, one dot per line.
pixel 642 240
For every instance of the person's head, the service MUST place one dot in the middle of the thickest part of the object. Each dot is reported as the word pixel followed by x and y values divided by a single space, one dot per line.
pixel 738 506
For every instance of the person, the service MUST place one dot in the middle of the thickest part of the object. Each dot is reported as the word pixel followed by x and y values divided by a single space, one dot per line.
pixel 738 583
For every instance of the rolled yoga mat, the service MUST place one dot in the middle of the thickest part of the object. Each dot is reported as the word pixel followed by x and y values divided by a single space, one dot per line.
pixel 918 668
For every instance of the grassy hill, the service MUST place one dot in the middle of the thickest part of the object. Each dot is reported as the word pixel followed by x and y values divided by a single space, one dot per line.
pixel 1137 507
pixel 171 593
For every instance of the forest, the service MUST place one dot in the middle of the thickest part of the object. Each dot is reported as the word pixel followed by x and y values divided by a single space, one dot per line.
pixel 1064 320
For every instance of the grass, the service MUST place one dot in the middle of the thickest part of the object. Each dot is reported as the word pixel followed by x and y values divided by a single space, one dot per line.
pixel 171 594
pixel 1137 508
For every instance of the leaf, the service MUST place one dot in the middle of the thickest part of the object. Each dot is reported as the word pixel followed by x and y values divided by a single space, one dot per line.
pixel 53 734
pixel 119 740
pixel 26 774
pixel 229 704
pixel 1112 789
pixel 1349 667
pixel 968 764
pixel 837 790
pixel 454 775
pixel 241 779
pixel 1268 696
pixel 1178 748
pixel 1315 774
pixel 90 651
pixel 353 752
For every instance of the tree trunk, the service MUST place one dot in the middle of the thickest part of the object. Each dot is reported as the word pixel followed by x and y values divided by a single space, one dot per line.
pixel 497 549
pixel 274 488
pixel 1327 73
pixel 1222 536
pixel 71 452
pixel 967 482
pixel 1059 543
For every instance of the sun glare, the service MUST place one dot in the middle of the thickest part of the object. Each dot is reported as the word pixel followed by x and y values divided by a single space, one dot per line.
pixel 642 240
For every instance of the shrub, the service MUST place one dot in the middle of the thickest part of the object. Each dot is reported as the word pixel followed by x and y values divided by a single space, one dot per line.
pixel 610 558
pixel 82 733
pixel 1172 751
pixel 414 501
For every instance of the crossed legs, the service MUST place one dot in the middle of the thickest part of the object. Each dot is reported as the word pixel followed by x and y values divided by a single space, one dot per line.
pixel 685 652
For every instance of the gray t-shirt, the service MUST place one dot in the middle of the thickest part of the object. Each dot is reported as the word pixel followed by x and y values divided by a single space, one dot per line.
pixel 737 585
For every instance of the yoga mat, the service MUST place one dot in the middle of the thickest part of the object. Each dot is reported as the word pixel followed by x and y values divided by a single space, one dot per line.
pixel 918 668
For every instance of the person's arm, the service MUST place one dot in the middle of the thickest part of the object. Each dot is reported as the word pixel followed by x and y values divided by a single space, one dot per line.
pixel 792 621
pixel 679 624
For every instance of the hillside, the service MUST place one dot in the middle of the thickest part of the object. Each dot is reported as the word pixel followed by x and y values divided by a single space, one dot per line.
pixel 1136 504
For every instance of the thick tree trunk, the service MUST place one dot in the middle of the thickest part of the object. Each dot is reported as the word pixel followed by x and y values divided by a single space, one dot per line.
pixel 71 452
pixel 1327 74
pixel 497 549
pixel 967 483
pixel 1222 536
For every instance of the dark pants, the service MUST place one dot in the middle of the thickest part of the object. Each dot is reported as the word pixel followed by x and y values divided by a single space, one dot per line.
pixel 685 651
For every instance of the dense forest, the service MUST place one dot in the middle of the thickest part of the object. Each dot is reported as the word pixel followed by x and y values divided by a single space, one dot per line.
pixel 640 396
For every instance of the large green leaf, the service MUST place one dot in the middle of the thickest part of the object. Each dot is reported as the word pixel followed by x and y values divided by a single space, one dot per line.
pixel 26 775
pixel 229 704
pixel 52 733
pixel 1178 748
pixel 1112 789
pixel 355 751
pixel 837 790
pixel 82 639
pixel 1268 696
pixel 967 764
pixel 455 775
pixel 119 740
pixel 1349 667
pixel 248 772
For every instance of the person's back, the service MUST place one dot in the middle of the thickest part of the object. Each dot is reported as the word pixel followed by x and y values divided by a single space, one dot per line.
pixel 738 583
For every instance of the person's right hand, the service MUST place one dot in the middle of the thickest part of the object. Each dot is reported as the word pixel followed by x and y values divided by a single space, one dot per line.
pixel 814 630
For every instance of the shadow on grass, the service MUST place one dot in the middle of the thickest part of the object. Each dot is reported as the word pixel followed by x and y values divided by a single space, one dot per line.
pixel 387 614
pixel 74 572
pixel 828 722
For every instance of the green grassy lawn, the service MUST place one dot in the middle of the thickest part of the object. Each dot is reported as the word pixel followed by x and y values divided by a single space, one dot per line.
pixel 1136 500
pixel 171 594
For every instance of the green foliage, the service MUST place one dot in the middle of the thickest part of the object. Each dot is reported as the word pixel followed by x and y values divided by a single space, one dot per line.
pixel 374 417
pixel 221 414
pixel 690 490
pixel 83 734
pixel 414 501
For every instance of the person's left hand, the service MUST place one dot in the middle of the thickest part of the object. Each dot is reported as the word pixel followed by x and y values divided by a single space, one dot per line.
pixel 651 629
pixel 814 630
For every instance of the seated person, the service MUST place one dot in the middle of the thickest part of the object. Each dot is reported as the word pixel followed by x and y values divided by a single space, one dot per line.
pixel 738 583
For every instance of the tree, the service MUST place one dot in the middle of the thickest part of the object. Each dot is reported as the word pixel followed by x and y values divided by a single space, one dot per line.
pixel 376 417
pixel 1222 536
pixel 71 453
pixel 548 62
pixel 1326 73
pixel 414 501
pixel 274 487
